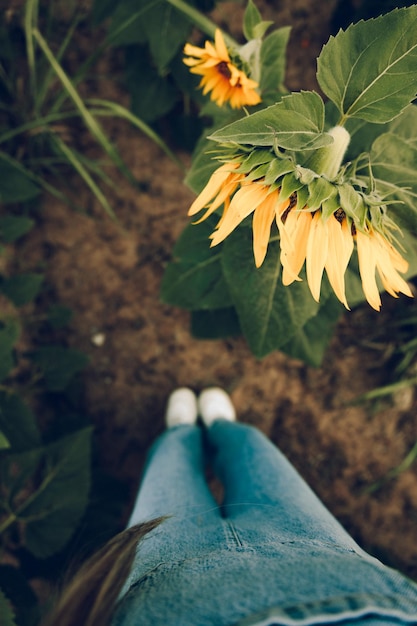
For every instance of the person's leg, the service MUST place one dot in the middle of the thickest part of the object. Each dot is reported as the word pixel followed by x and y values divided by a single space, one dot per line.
pixel 262 486
pixel 173 485
pixel 173 482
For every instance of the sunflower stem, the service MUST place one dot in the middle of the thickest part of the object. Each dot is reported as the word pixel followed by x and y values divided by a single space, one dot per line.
pixel 327 160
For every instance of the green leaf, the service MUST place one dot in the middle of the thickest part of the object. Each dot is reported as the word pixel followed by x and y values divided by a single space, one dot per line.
pixel 202 167
pixel 409 243
pixel 59 316
pixel 155 21
pixel 273 63
pixel 13 227
pixel 394 166
pixel 309 343
pixel 370 70
pixel 102 9
pixel 253 26
pixel 194 280
pixel 18 423
pixel 15 585
pixel 152 95
pixel 251 18
pixel 405 125
pixel 128 25
pixel 353 282
pixel 59 365
pixel 21 288
pixel 15 185
pixel 215 324
pixel 4 442
pixel 6 611
pixel 269 313
pixel 9 334
pixel 319 190
pixel 296 122
pixel 167 29
pixel 51 511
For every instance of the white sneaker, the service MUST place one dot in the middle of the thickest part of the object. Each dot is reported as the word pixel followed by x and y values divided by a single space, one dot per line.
pixel 181 408
pixel 213 404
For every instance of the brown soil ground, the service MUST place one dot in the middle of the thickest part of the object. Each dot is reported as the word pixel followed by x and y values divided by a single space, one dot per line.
pixel 110 275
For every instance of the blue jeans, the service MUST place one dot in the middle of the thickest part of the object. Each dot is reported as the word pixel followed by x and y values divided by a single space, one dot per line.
pixel 270 554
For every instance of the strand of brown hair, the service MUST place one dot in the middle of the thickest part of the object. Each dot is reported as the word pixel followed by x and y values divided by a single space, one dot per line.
pixel 89 599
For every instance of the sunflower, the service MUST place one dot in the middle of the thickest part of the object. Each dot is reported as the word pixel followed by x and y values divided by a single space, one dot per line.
pixel 220 77
pixel 322 237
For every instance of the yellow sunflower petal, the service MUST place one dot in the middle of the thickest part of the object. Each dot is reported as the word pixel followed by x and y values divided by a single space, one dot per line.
pixel 262 221
pixel 222 197
pixel 338 256
pixel 220 46
pixel 294 244
pixel 244 202
pixel 215 183
pixel 316 255
pixel 397 260
pixel 367 265
pixel 220 77
pixel 392 281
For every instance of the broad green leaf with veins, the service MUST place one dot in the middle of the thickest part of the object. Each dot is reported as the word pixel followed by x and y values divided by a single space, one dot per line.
pixel 295 123
pixel 370 70
pixel 269 313
pixel 50 511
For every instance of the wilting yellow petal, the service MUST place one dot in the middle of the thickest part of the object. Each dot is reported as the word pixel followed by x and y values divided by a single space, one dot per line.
pixel 338 255
pixel 316 255
pixel 392 281
pixel 398 262
pixel 294 238
pixel 261 224
pixel 367 266
pixel 223 197
pixel 216 182
pixel 243 203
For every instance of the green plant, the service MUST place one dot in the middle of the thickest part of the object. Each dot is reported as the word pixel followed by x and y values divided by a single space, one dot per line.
pixel 42 106
pixel 332 186
pixel 44 480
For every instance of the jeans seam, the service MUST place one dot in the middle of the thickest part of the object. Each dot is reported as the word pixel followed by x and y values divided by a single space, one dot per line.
pixel 233 539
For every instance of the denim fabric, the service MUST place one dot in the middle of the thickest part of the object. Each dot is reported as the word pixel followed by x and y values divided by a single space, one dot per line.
pixel 271 554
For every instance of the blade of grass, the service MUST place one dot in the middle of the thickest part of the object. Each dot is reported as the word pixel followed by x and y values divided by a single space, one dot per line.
pixel 54 163
pixel 405 464
pixel 41 124
pixel 43 184
pixel 386 390
pixel 30 20
pixel 79 75
pixel 117 110
pixel 195 16
pixel 89 120
pixel 6 81
pixel 79 167
pixel 50 74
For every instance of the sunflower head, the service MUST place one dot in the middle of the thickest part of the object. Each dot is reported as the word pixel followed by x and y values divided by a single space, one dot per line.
pixel 321 216
pixel 223 78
